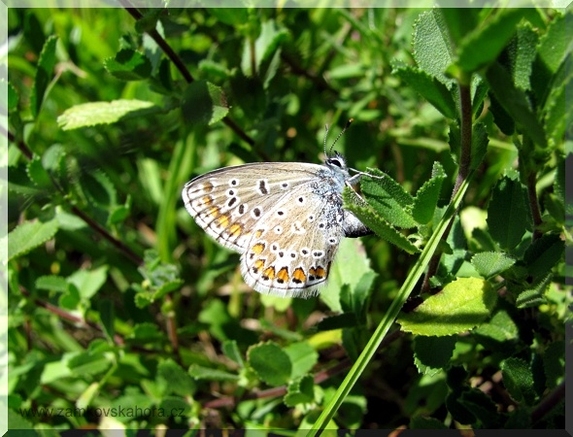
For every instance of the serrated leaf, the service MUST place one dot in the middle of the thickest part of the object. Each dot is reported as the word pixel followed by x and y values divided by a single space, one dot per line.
pixel 432 47
pixel 429 88
pixel 376 223
pixel 128 65
pixel 270 363
pixel 44 74
pixel 500 329
pixel 94 113
pixel 203 103
pixel 38 174
pixel 535 295
pixel 459 307
pixel 144 332
pixel 553 49
pixel 433 353
pixel 30 235
pixel 489 264
pixel 300 391
pixel 207 374
pixel 426 200
pixel 388 198
pixel 508 214
pixel 518 379
pixel 176 379
pixel 98 189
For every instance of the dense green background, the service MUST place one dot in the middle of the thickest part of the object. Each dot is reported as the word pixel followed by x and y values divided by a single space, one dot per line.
pixel 122 310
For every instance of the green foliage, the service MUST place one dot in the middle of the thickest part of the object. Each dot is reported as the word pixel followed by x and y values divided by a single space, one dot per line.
pixel 124 315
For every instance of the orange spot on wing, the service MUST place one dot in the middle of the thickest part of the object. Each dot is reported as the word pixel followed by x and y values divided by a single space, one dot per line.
pixel 235 230
pixel 258 265
pixel 282 275
pixel 269 274
pixel 223 221
pixel 298 276
pixel 258 248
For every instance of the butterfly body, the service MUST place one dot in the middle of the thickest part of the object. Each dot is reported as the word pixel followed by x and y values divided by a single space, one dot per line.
pixel 286 219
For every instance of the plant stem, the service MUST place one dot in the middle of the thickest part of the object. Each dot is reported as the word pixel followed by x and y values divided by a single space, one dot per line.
pixel 465 160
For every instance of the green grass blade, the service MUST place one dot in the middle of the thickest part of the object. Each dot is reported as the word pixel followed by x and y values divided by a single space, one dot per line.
pixel 384 326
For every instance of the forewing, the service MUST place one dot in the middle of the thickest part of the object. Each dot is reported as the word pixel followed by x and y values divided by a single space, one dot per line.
pixel 292 246
pixel 230 202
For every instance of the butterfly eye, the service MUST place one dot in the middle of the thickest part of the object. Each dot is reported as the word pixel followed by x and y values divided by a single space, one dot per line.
pixel 336 161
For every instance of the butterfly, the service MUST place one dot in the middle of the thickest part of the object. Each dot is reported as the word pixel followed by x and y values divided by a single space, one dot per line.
pixel 286 219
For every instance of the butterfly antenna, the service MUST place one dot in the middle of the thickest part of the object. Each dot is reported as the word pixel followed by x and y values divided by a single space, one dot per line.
pixel 325 136
pixel 348 123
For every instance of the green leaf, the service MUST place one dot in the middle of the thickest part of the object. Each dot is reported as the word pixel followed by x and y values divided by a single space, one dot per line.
pixel 70 299
pixel 270 363
pixel 350 264
pixel 544 254
pixel 38 174
pixel 128 65
pixel 176 379
pixel 300 391
pixel 518 379
pixel 556 115
pixel 499 330
pixel 483 46
pixel 52 283
pixel 107 316
pixel 145 332
pixel 265 47
pixel 376 223
pixel 508 215
pixel 90 363
pixel 489 264
pixel 515 102
pixel 30 235
pixel 433 353
pixel 302 356
pixel 207 374
pixel 388 198
pixel 429 88
pixel 553 49
pixel 94 113
pixel 44 74
pixel 231 350
pixel 88 282
pixel 203 103
pixel 432 46
pixel 459 307
pixel 534 295
pixel 426 200
pixel 13 97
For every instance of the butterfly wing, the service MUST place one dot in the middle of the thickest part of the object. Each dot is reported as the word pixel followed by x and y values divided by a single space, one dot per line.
pixel 229 202
pixel 292 246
